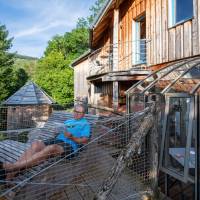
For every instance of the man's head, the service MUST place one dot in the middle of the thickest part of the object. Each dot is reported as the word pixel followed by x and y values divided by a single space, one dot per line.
pixel 79 111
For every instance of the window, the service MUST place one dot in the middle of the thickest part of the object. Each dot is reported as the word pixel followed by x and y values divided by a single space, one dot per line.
pixel 139 41
pixel 179 11
pixel 177 149
pixel 97 88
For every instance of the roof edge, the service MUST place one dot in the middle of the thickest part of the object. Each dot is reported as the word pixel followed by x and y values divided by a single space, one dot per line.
pixel 45 93
pixel 50 99
pixel 101 13
pixel 81 58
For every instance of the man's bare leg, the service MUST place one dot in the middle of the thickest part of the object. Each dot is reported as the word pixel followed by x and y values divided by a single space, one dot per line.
pixel 36 147
pixel 38 157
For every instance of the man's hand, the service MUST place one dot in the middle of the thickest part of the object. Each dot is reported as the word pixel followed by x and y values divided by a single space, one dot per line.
pixel 83 140
pixel 68 135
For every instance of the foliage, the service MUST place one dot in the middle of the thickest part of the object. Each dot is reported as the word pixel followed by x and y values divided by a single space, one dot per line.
pixel 53 72
pixel 95 9
pixel 6 59
pixel 3 137
pixel 55 78
pixel 10 79
pixel 71 45
pixel 25 57
pixel 24 62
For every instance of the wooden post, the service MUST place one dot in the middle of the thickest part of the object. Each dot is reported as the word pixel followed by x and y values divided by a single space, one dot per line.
pixel 115 57
pixel 197 157
pixel 115 39
pixel 132 147
pixel 154 141
pixel 92 96
pixel 115 95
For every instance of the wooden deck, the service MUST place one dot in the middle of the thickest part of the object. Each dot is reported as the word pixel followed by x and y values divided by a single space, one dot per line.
pixel 78 178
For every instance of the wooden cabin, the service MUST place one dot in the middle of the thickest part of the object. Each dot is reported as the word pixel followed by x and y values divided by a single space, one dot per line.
pixel 29 107
pixel 128 40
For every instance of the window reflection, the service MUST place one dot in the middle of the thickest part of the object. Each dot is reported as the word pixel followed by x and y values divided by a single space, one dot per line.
pixel 176 134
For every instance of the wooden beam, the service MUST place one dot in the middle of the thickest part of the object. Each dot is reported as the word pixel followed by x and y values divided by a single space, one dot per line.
pixel 115 57
pixel 115 39
pixel 115 95
pixel 117 4
pixel 154 148
pixel 122 78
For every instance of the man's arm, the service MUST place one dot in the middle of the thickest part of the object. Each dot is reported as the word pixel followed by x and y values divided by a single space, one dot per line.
pixel 82 140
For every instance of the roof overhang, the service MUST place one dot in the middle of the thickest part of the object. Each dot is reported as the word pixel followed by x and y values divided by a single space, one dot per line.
pixel 119 76
pixel 80 59
pixel 100 15
pixel 102 20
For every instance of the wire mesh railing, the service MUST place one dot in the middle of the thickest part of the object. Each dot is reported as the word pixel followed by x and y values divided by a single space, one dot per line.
pixel 77 175
pixel 126 55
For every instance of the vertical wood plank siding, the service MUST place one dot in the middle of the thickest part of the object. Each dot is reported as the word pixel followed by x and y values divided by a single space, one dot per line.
pixel 166 44
pixel 80 79
pixel 169 44
pixel 195 36
pixel 129 10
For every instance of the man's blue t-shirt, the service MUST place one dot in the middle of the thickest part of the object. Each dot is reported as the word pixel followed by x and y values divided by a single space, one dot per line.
pixel 78 128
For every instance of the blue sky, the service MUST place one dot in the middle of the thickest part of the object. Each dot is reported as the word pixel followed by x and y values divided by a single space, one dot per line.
pixel 33 23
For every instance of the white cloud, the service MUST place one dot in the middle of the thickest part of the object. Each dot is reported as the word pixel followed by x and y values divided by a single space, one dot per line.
pixel 39 29
pixel 39 20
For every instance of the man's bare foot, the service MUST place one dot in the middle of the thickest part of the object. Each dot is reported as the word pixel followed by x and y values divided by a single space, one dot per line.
pixel 11 175
pixel 9 178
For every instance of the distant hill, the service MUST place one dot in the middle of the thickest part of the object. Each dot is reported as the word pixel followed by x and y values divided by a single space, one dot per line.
pixel 25 57
pixel 27 63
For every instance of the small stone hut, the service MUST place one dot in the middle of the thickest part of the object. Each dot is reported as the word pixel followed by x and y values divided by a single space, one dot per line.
pixel 29 107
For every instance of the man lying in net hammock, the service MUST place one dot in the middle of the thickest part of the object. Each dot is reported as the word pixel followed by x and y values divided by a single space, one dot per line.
pixel 77 133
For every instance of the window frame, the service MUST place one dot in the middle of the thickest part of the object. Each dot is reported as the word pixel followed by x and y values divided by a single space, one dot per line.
pixel 136 42
pixel 185 177
pixel 197 130
pixel 172 15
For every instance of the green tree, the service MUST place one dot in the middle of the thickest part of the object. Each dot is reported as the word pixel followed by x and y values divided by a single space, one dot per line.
pixel 10 79
pixel 95 10
pixel 82 23
pixel 71 45
pixel 26 63
pixel 53 72
pixel 55 77
pixel 6 59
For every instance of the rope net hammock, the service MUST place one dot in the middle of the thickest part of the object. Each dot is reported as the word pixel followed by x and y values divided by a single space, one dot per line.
pixel 105 163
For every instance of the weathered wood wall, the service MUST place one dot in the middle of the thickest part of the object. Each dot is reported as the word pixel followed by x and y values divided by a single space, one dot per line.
pixel 20 117
pixel 129 10
pixel 81 72
pixel 166 44
pixel 102 98
pixel 106 38
pixel 169 44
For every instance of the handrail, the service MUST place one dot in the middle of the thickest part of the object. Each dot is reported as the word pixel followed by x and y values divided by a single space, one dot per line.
pixel 178 64
pixel 188 64
pixel 125 55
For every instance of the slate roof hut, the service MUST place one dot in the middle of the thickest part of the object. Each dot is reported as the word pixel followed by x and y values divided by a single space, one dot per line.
pixel 28 107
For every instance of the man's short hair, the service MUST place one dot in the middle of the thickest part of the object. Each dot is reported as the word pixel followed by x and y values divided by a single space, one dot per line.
pixel 80 105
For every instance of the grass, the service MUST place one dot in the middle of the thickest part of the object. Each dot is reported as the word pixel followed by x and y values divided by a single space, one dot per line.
pixel 22 137
pixel 3 136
